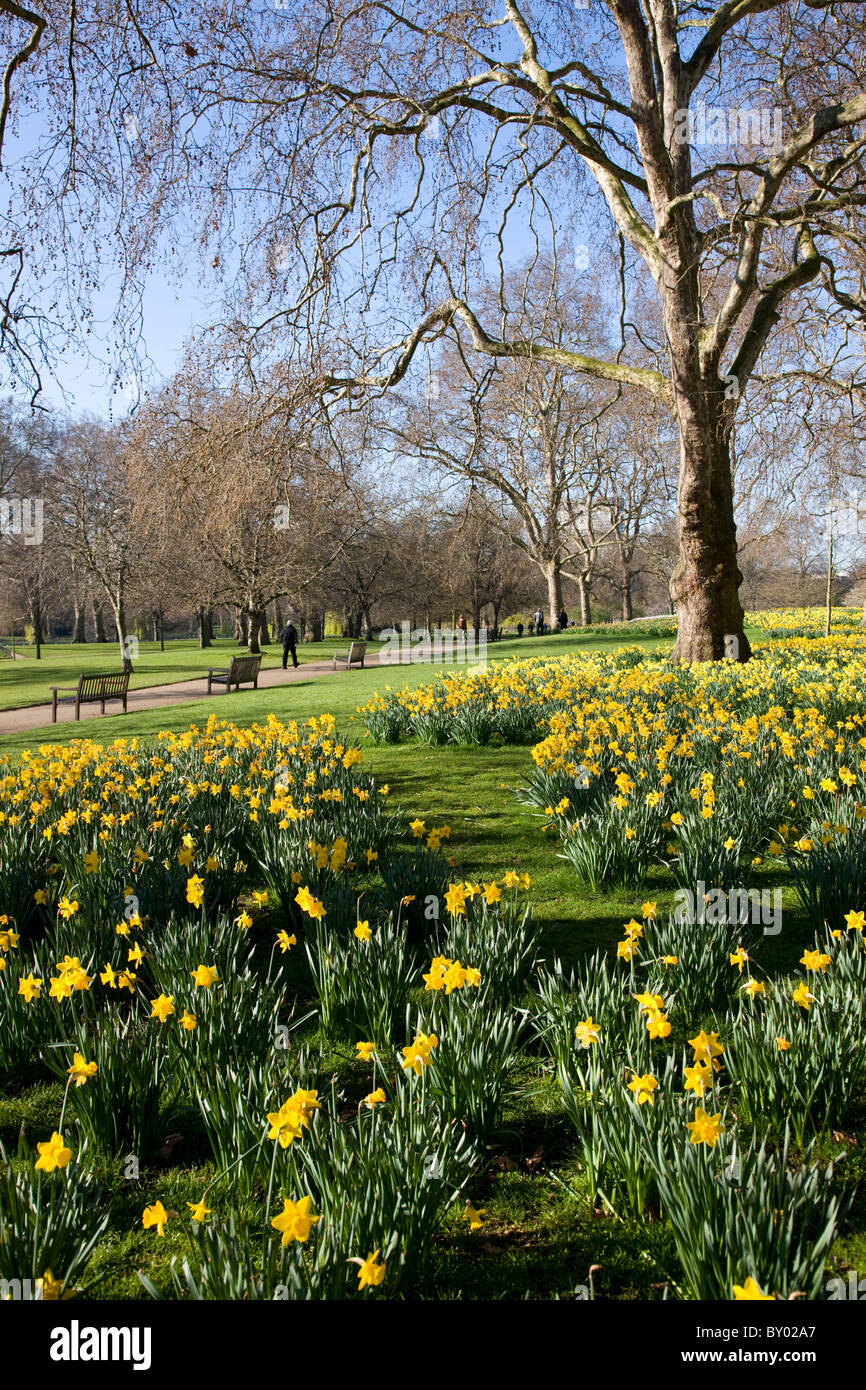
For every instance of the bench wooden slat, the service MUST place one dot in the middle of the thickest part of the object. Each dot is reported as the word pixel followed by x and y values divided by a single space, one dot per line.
pixel 242 670
pixel 353 657
pixel 91 687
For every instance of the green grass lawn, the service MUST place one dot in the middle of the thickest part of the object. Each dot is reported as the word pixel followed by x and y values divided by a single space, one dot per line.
pixel 26 681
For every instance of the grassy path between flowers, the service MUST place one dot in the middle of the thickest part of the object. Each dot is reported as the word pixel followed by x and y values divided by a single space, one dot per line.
pixel 539 1239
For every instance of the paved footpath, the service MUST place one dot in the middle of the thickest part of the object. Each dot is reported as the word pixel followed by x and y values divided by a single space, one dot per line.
pixel 14 721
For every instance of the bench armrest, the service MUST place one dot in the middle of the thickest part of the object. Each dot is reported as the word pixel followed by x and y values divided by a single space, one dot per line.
pixel 62 687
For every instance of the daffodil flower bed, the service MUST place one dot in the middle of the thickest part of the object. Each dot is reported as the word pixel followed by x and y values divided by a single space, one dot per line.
pixel 209 921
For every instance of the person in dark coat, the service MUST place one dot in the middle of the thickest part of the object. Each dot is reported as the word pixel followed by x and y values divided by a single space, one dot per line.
pixel 289 639
pixel 563 620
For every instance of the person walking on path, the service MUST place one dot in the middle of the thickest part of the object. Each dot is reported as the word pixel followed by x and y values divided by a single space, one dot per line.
pixel 289 639
pixel 563 620
pixel 539 623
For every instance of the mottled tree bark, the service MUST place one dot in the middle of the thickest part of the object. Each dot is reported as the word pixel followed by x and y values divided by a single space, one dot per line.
pixel 583 591
pixel 553 576
pixel 705 583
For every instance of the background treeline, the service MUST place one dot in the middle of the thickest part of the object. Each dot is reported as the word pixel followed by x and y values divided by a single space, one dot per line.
pixel 220 511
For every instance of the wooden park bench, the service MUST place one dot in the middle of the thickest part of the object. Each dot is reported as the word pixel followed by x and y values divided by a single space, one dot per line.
pixel 242 670
pixel 112 685
pixel 353 657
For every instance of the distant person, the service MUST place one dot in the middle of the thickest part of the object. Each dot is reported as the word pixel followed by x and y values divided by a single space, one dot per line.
pixel 461 628
pixel 563 620
pixel 289 639
pixel 531 627
pixel 539 623
pixel 520 628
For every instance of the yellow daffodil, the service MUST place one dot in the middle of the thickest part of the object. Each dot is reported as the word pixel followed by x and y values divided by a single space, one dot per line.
pixel 370 1273
pixel 473 1216
pixel 802 997
pixel 199 1212
pixel 751 1291
pixel 53 1153
pixel 29 986
pixel 80 1070
pixel 705 1129
pixel 162 1007
pixel 295 1221
pixel 814 960
pixel 418 1054
pixel 587 1032
pixel 155 1215
pixel 195 890
pixel 643 1087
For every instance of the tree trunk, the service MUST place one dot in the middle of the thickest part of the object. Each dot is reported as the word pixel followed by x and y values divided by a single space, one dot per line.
pixel 204 635
pixel 829 595
pixel 255 617
pixel 120 624
pixel 242 628
pixel 706 579
pixel 264 638
pixel 98 621
pixel 705 583
pixel 78 633
pixel 554 592
pixel 278 618
pixel 36 614
pixel 583 591
pixel 627 612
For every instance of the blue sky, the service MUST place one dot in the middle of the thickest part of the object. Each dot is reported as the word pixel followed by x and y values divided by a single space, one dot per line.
pixel 170 312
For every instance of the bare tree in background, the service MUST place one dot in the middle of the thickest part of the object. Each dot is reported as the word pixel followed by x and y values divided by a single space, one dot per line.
pixel 256 488
pixel 573 465
pixel 98 517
